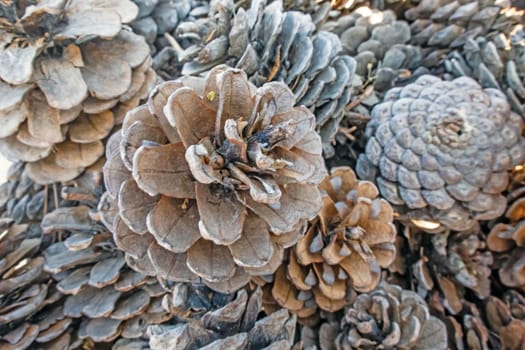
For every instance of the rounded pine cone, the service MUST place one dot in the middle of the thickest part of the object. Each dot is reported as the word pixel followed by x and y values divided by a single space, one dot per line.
pixel 213 179
pixel 441 151
pixel 507 241
pixel 343 250
pixel 390 318
pixel 69 72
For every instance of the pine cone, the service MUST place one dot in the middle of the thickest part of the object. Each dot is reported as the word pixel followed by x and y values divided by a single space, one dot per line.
pixel 390 318
pixel 466 330
pixel 448 23
pixel 507 320
pixel 215 185
pixel 66 82
pixel 447 264
pixel 487 39
pixel 32 313
pixel 236 325
pixel 109 298
pixel 507 241
pixel 440 151
pixel 379 44
pixel 272 45
pixel 342 252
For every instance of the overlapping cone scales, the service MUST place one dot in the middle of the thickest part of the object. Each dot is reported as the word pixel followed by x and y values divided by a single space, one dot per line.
pixel 237 325
pixel 440 151
pixel 212 179
pixel 392 318
pixel 379 43
pixel 507 241
pixel 69 72
pixel 343 250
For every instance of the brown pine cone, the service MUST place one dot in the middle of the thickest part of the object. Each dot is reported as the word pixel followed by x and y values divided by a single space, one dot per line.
pixel 215 177
pixel 466 330
pixel 390 318
pixel 343 250
pixel 507 241
pixel 506 318
pixel 441 151
pixel 234 326
pixel 66 82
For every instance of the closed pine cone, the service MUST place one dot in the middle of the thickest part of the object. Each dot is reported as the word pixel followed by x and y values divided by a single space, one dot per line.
pixel 343 250
pixel 66 82
pixel 441 151
pixel 213 179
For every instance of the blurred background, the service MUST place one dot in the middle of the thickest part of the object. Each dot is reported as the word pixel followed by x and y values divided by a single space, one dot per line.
pixel 4 166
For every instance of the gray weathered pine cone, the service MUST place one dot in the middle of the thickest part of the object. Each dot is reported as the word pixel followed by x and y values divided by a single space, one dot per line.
pixel 441 151
pixel 271 44
pixel 387 318
pixel 480 39
pixel 110 299
pixel 65 82
pixel 379 43
pixel 236 325
pixel 158 17
pixel 32 313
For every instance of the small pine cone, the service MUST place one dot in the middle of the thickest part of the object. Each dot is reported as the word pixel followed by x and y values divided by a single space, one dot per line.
pixel 342 252
pixel 109 298
pixel 378 42
pixel 390 318
pixel 271 44
pixel 506 318
pixel 66 82
pixel 441 151
pixel 236 325
pixel 215 177
pixel 507 241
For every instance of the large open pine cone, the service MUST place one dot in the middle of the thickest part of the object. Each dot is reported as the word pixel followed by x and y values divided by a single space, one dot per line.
pixel 506 319
pixel 213 179
pixel 271 44
pixel 69 71
pixel 441 150
pixel 507 241
pixel 342 252
pixel 234 326
pixel 390 318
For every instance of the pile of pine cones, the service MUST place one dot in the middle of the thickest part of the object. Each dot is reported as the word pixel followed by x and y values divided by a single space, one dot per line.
pixel 262 174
